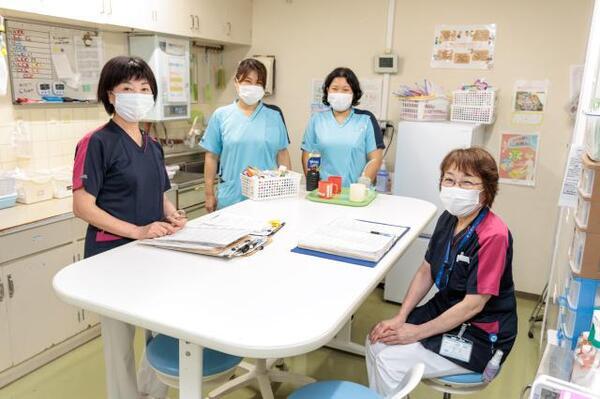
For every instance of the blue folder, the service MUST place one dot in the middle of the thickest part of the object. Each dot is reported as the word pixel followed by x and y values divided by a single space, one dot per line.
pixel 346 259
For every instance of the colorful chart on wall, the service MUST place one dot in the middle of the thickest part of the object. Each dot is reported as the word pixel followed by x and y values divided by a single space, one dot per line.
pixel 51 61
pixel 518 158
pixel 464 46
pixel 529 101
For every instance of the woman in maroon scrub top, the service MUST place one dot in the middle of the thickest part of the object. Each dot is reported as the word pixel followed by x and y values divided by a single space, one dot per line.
pixel 119 184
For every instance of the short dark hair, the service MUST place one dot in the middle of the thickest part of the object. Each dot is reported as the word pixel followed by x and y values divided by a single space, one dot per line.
pixel 122 69
pixel 478 162
pixel 251 64
pixel 350 76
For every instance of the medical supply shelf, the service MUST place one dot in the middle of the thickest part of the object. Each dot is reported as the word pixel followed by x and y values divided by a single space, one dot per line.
pixel 580 297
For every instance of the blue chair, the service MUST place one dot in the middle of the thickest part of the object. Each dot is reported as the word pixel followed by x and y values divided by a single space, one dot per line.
pixel 463 384
pixel 347 389
pixel 162 353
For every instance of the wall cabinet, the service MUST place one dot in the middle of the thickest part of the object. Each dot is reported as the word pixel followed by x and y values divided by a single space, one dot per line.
pixel 32 318
pixel 225 21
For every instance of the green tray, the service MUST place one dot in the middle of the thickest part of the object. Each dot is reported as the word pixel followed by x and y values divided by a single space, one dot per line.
pixel 343 198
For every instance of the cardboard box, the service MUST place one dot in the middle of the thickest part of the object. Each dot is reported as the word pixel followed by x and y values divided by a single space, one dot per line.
pixel 584 254
pixel 589 181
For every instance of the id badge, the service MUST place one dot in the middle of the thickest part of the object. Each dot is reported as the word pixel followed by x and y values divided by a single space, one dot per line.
pixel 456 348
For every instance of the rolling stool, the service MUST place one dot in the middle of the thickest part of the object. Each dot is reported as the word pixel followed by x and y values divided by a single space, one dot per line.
pixel 463 384
pixel 347 389
pixel 162 352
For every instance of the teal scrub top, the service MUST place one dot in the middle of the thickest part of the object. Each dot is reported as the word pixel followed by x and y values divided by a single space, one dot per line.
pixel 242 141
pixel 343 147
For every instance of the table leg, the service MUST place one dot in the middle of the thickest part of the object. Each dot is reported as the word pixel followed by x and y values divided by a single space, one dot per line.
pixel 190 370
pixel 343 341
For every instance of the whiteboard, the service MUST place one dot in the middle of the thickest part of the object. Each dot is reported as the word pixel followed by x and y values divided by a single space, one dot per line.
pixel 53 61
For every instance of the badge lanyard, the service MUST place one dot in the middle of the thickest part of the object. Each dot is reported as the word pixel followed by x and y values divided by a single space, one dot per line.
pixel 461 244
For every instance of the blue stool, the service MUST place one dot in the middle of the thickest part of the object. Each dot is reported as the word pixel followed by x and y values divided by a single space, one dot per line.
pixel 347 389
pixel 463 384
pixel 162 353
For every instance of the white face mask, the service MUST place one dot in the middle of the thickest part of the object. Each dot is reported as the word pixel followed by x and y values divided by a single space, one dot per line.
pixel 339 101
pixel 251 94
pixel 133 106
pixel 460 202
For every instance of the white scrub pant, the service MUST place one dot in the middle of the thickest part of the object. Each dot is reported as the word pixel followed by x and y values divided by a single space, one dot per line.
pixel 120 365
pixel 387 364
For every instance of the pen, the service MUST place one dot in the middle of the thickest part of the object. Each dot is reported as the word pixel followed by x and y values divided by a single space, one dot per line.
pixel 379 233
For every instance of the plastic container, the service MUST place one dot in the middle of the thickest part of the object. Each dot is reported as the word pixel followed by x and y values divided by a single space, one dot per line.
pixel 584 254
pixel 264 188
pixel 381 181
pixel 34 187
pixel 474 106
pixel 583 293
pixel 424 108
pixel 589 183
pixel 8 200
pixel 592 135
pixel 63 186
pixel 572 322
pixel 587 214
pixel 7 185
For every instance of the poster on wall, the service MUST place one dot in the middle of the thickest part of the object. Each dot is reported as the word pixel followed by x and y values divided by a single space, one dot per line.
pixel 518 158
pixel 370 100
pixel 464 46
pixel 529 102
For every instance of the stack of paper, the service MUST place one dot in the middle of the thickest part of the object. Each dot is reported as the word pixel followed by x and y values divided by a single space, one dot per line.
pixel 224 219
pixel 202 239
pixel 353 238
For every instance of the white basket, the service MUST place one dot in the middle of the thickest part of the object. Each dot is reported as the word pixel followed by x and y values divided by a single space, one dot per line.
pixel 34 188
pixel 265 188
pixel 63 186
pixel 474 106
pixel 7 185
pixel 483 115
pixel 428 109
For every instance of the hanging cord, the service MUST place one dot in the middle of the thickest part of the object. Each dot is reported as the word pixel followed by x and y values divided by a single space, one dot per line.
pixel 387 148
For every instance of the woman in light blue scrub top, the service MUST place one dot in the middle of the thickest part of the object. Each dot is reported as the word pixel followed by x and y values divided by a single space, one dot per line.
pixel 244 133
pixel 346 137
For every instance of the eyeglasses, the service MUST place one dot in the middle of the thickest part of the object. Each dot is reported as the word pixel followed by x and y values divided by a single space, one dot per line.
pixel 465 184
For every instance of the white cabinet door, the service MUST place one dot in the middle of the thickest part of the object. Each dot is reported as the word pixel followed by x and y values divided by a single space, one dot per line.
pixel 137 14
pixel 29 6
pixel 5 354
pixel 178 17
pixel 88 11
pixel 86 319
pixel 238 21
pixel 37 318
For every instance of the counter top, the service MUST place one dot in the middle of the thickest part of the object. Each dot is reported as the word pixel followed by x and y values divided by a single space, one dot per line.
pixel 22 214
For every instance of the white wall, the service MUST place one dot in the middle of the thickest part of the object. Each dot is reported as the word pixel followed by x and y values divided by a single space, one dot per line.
pixel 537 39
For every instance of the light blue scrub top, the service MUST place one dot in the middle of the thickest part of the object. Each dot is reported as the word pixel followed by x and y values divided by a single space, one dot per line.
pixel 343 147
pixel 242 141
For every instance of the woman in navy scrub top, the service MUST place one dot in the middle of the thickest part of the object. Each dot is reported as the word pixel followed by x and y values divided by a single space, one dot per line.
pixel 469 259
pixel 119 184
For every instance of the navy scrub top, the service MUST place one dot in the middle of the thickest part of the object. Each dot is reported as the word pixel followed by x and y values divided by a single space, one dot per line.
pixel 488 271
pixel 127 180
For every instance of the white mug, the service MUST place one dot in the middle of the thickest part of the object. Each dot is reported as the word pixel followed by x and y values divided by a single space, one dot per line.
pixel 358 192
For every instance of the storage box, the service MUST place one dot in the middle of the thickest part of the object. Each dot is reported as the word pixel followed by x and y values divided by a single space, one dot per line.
pixel 7 185
pixel 582 293
pixel 6 201
pixel 63 185
pixel 474 106
pixel 34 188
pixel 592 135
pixel 271 187
pixel 424 108
pixel 584 254
pixel 587 214
pixel 589 182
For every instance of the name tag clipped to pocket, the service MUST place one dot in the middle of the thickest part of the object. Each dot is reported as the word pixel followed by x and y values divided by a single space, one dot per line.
pixel 456 347
pixel 462 258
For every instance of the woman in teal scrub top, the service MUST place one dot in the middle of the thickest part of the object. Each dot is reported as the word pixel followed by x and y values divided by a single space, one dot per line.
pixel 245 133
pixel 346 137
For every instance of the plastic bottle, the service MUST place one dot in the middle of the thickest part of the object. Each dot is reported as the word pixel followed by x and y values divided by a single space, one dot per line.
pixel 382 179
pixel 493 366
pixel 312 174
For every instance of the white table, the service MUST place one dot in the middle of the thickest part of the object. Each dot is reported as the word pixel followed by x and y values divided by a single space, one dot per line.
pixel 273 304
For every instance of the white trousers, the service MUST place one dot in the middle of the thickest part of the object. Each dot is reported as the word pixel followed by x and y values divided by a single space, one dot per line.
pixel 387 364
pixel 121 382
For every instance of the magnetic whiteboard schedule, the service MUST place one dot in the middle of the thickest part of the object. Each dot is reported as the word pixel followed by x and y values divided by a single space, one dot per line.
pixel 53 61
